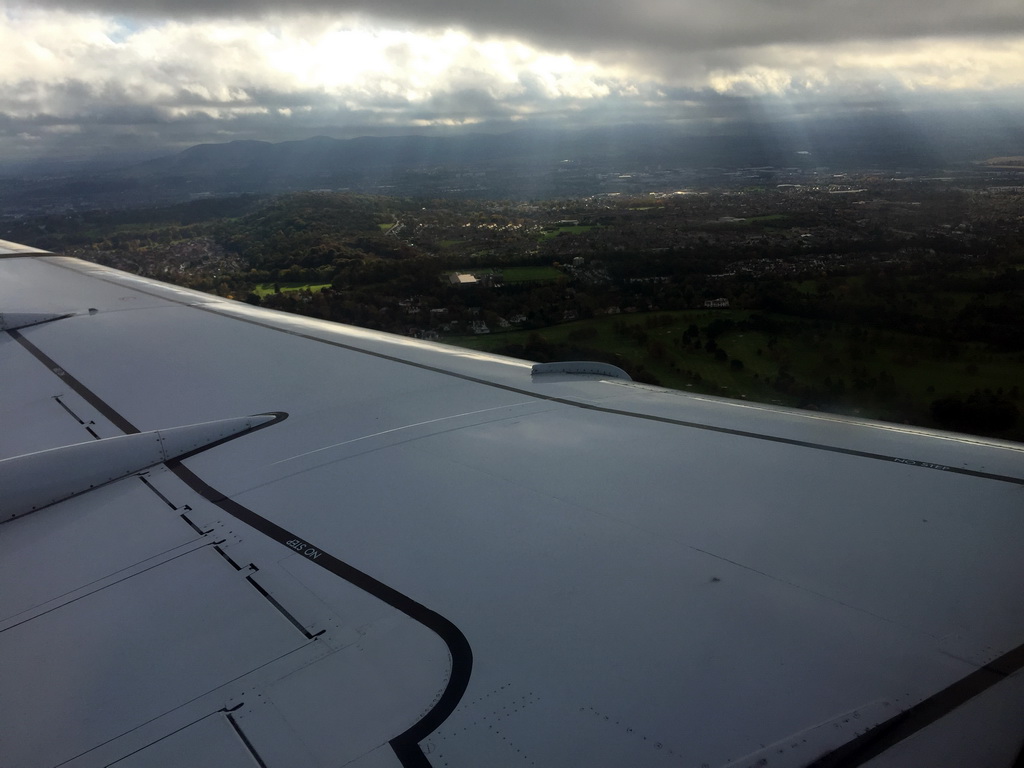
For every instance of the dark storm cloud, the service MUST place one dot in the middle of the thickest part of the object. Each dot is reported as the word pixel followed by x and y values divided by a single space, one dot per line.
pixel 664 25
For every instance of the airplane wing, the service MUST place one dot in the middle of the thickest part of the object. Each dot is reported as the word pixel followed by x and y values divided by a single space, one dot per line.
pixel 236 537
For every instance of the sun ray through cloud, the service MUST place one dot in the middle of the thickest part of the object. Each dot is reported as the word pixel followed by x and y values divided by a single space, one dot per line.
pixel 83 65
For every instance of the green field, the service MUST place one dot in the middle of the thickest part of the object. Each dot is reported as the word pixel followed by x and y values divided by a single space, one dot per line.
pixel 771 218
pixel 265 289
pixel 576 230
pixel 530 274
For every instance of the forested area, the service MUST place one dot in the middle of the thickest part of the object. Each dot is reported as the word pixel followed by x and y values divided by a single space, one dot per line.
pixel 895 303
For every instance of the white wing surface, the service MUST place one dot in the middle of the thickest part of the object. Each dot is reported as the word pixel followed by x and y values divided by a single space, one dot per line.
pixel 327 546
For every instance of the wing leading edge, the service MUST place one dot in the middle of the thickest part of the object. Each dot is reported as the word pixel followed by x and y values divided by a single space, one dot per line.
pixel 442 559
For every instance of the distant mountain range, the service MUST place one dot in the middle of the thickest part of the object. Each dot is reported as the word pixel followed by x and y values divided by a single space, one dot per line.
pixel 522 164
pixel 884 141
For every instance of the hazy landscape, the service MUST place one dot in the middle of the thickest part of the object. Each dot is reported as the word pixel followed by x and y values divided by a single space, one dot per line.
pixel 890 293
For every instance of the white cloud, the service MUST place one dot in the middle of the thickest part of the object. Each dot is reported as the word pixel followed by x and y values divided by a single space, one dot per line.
pixel 310 69
pixel 936 65
pixel 227 63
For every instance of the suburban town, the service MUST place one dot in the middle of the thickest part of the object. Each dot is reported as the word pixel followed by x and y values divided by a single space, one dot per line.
pixel 886 295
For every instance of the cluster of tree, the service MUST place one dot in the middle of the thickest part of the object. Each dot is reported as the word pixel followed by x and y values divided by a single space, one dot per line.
pixel 868 269
pixel 981 413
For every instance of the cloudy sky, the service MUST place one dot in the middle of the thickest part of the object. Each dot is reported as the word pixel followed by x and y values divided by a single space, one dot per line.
pixel 84 75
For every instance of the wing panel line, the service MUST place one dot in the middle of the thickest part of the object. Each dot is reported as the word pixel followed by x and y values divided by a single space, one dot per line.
pixel 87 394
pixel 406 744
pixel 891 732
